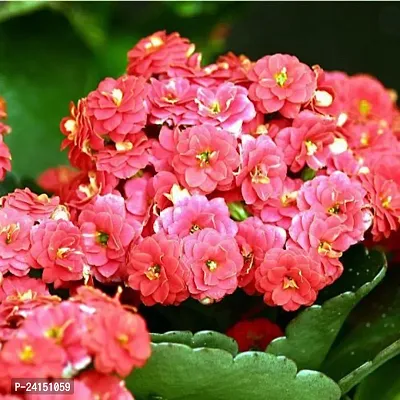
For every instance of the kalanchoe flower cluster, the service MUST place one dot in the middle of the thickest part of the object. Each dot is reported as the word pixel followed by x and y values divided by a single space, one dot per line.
pixel 173 156
pixel 89 337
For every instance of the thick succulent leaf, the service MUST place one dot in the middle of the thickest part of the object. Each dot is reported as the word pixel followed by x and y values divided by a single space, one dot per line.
pixel 210 339
pixel 372 326
pixel 178 372
pixel 384 383
pixel 311 334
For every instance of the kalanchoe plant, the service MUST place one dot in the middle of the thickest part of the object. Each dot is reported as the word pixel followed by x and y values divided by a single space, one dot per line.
pixel 228 199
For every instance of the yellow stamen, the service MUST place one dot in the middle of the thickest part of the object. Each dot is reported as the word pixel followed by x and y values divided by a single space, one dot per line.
pixel 123 339
pixel 281 77
pixel 364 107
pixel 289 283
pixel 259 176
pixel 27 354
pixel 364 140
pixel 325 249
pixel 386 201
pixel 335 209
pixel 123 146
pixel 62 252
pixel 211 265
pixel 215 108
pixel 204 157
pixel 288 199
pixel 117 96
pixel 311 148
pixel 194 228
pixel 9 230
pixel 154 43
pixel 153 272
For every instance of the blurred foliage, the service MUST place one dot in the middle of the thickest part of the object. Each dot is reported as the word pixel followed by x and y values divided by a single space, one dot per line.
pixel 52 53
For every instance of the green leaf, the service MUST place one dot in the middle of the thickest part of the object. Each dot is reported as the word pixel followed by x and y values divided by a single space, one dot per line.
pixel 384 383
pixel 178 372
pixel 43 66
pixel 372 326
pixel 9 184
pixel 237 210
pixel 210 339
pixel 355 377
pixel 311 334
pixel 12 9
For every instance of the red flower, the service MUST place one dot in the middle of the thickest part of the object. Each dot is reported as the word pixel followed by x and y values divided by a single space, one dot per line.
pixel 154 54
pixel 254 239
pixel 205 159
pixel 32 357
pixel 118 341
pixel 262 170
pixel 53 179
pixel 57 248
pixel 116 108
pixel 254 334
pixel 106 235
pixel 288 278
pixel 281 83
pixel 155 269
pixel 215 262
pixel 5 158
pixel 21 288
pixel 26 202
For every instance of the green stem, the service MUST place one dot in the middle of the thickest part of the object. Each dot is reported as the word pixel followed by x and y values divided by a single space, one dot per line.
pixel 356 376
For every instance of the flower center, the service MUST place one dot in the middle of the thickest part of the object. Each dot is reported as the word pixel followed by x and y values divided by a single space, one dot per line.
pixel 123 339
pixel 102 238
pixel 27 354
pixel 258 175
pixel 10 230
pixel 364 140
pixel 289 282
pixel 28 295
pixel 386 201
pixel 215 108
pixel 311 148
pixel 170 98
pixel 335 209
pixel 56 332
pixel 153 44
pixel 122 147
pixel 204 158
pixel 325 249
pixel 281 77
pixel 153 272
pixel 194 228
pixel 364 107
pixel 288 199
pixel 211 265
pixel 117 96
pixel 62 252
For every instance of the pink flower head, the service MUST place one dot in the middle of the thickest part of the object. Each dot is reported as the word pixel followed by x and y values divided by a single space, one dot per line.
pixel 225 106
pixel 104 386
pixel 63 324
pixel 288 278
pixel 307 141
pixel 106 235
pixel 94 298
pixel 369 100
pixel 344 162
pixel 215 262
pixel 168 99
pixel 57 248
pixel 338 195
pixel 280 211
pixel 195 213
pixel 254 239
pixel 154 54
pixel 32 357
pixel 262 169
pixel 53 179
pixel 155 269
pixel 322 237
pixel 281 83
pixel 118 341
pixel 384 197
pixel 117 107
pixel 124 159
pixel 14 242
pixel 21 288
pixel 205 159
pixel 235 67
pixel 5 158
pixel 163 150
pixel 26 202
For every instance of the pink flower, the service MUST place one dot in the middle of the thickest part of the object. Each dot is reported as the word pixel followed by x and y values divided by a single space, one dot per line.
pixel 168 99
pixel 369 100
pixel 94 298
pixel 262 170
pixel 104 386
pixel 63 324
pixel 57 248
pixel 26 202
pixel 225 106
pixel 235 67
pixel 254 239
pixel 205 159
pixel 106 235
pixel 195 213
pixel 163 150
pixel 32 357
pixel 5 158
pixel 322 237
pixel 215 262
pixel 124 159
pixel 21 288
pixel 14 242
pixel 307 141
pixel 384 197
pixel 155 269
pixel 280 211
pixel 281 83
pixel 338 195
pixel 344 162
pixel 117 107
pixel 154 54
pixel 118 341
pixel 53 179
pixel 288 278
